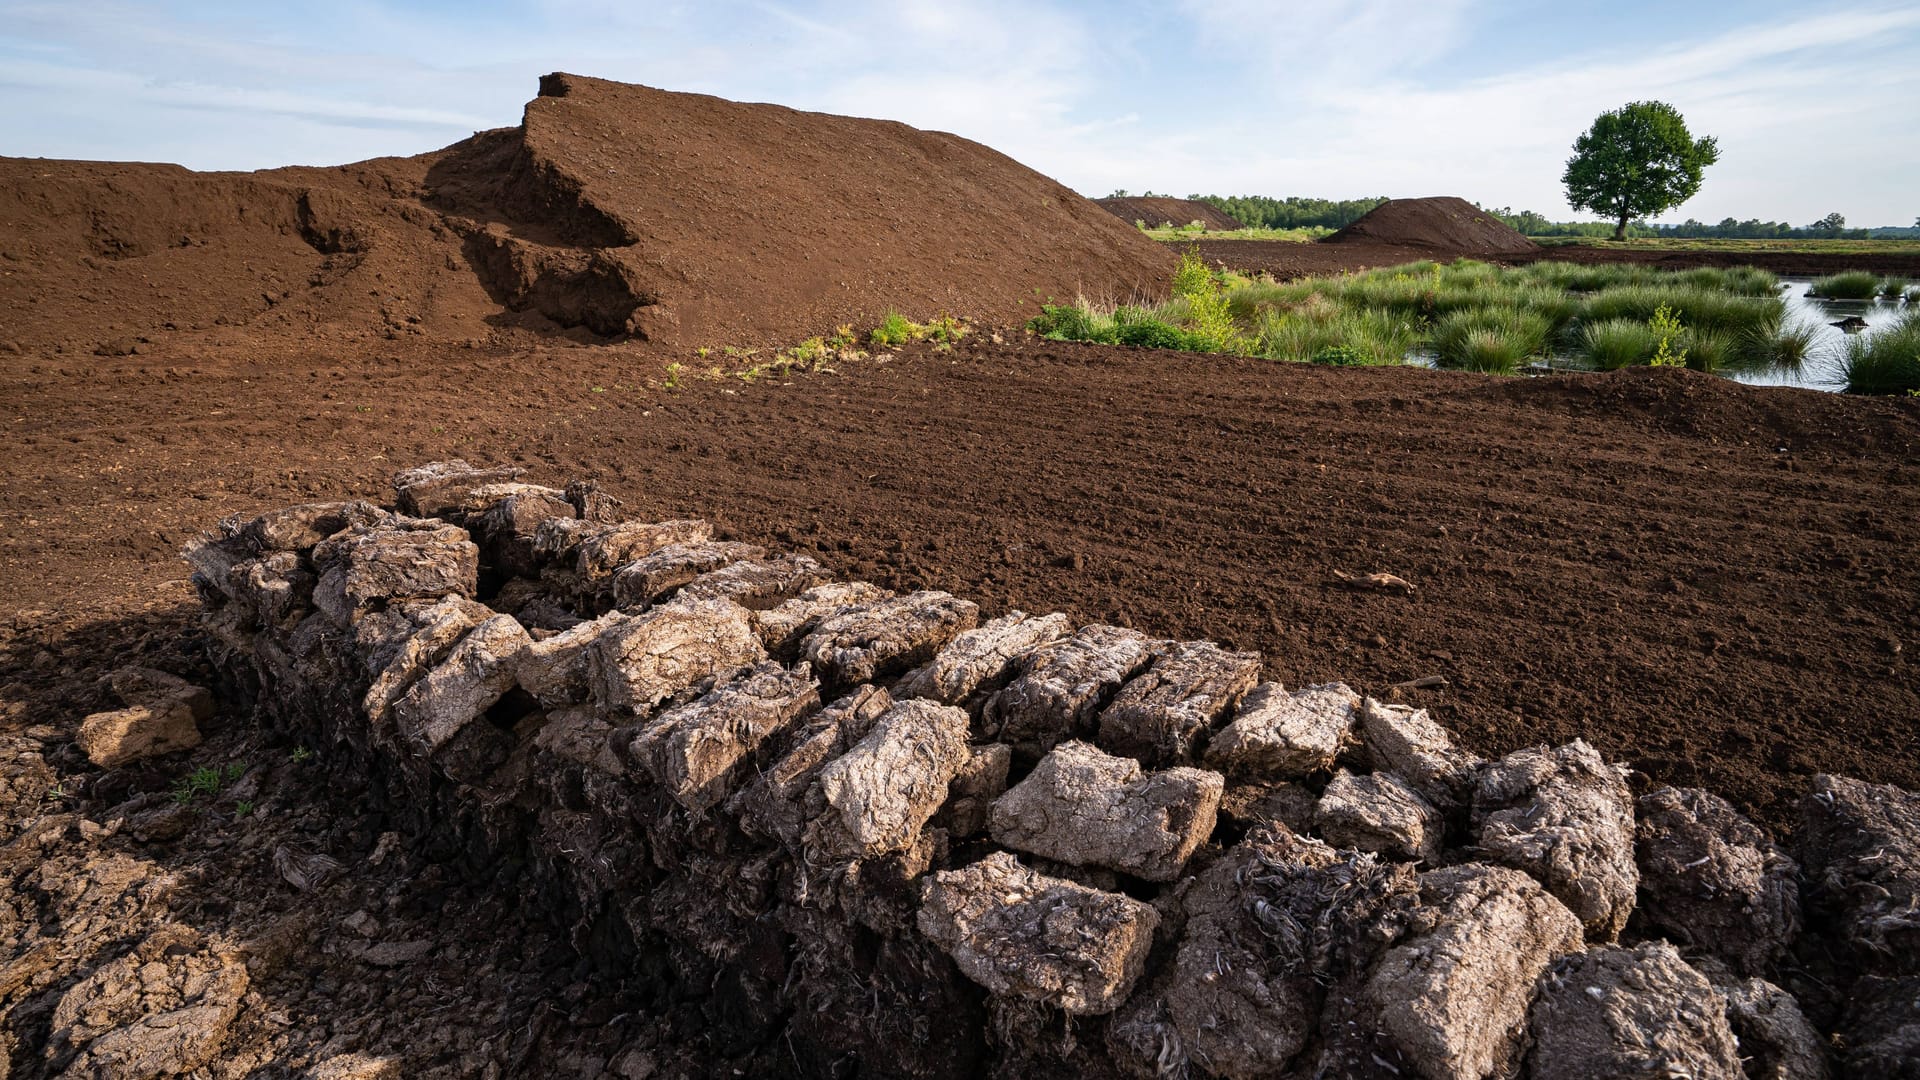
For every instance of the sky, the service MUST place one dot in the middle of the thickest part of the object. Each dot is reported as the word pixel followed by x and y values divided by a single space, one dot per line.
pixel 1813 104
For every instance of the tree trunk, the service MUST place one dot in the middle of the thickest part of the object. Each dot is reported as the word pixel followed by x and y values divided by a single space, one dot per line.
pixel 1620 230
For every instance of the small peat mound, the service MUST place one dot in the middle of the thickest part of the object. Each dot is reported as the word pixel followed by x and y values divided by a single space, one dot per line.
pixel 848 832
pixel 612 210
pixel 1157 210
pixel 1441 223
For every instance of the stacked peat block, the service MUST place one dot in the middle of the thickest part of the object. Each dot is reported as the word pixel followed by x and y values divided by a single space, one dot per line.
pixel 901 839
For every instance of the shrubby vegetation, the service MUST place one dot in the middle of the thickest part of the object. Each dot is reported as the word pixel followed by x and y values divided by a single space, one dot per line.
pixel 1466 315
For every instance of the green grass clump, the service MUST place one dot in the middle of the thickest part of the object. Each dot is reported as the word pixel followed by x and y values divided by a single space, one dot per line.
pixel 1706 350
pixel 1489 338
pixel 1887 362
pixel 1070 322
pixel 1847 285
pixel 1893 288
pixel 1611 344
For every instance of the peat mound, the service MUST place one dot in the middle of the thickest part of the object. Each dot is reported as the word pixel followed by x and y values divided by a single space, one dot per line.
pixel 1158 210
pixel 1441 222
pixel 612 210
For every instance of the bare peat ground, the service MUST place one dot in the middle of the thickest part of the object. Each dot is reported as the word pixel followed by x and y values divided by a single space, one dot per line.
pixel 1713 581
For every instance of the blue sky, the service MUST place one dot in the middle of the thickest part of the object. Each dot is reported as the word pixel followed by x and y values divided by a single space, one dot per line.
pixel 1814 104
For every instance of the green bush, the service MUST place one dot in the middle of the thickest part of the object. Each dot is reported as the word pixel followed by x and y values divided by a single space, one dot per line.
pixel 894 331
pixel 1066 322
pixel 1893 288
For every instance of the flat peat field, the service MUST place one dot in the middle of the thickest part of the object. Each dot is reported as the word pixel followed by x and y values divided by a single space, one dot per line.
pixel 1714 582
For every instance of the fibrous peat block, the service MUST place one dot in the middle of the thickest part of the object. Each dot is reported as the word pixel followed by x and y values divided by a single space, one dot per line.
pixel 1062 686
pixel 971 793
pixel 779 802
pixel 474 675
pixel 1378 812
pixel 887 637
pixel 603 549
pixel 783 627
pixel 880 793
pixel 299 528
pixel 692 749
pixel 1566 817
pixel 1776 1041
pixel 657 574
pixel 1269 927
pixel 445 487
pixel 1638 1014
pixel 400 644
pixel 1087 808
pixel 639 662
pixel 1406 742
pixel 509 527
pixel 758 584
pixel 119 736
pixel 1712 881
pixel 393 562
pixel 1860 845
pixel 1162 715
pixel 981 660
pixel 557 670
pixel 1452 997
pixel 1047 940
pixel 1280 736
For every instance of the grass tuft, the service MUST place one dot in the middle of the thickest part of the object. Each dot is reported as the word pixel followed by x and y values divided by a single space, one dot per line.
pixel 1887 362
pixel 1847 285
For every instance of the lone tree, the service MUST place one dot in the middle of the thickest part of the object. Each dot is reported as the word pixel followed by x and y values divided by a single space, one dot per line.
pixel 1635 162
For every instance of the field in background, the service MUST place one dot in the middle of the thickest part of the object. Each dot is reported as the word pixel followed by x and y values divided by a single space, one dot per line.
pixel 1831 247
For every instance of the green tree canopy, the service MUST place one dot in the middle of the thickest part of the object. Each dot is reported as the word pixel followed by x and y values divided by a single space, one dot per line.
pixel 1635 162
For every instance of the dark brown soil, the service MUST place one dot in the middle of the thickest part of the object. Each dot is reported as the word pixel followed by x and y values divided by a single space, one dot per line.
pixel 1785 261
pixel 1441 223
pixel 1159 210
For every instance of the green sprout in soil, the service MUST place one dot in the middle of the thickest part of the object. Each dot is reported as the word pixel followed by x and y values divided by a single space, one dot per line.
pixel 208 780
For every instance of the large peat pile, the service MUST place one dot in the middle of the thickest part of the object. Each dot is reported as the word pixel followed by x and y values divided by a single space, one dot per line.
pixel 1158 210
pixel 877 829
pixel 616 209
pixel 1443 223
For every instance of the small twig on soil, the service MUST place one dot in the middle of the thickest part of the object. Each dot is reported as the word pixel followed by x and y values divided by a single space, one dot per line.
pixel 1425 682
pixel 1388 582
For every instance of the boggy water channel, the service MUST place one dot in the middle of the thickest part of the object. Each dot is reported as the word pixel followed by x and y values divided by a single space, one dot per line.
pixel 1823 369
pixel 1824 366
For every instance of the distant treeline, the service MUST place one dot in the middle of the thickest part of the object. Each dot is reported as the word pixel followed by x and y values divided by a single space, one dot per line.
pixel 1299 212
pixel 1831 227
pixel 1293 212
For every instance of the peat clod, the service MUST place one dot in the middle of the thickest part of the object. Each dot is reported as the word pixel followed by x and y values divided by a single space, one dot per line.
pixel 1630 1013
pixel 1566 817
pixel 1712 881
pixel 877 834
pixel 1860 844
pixel 1276 735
